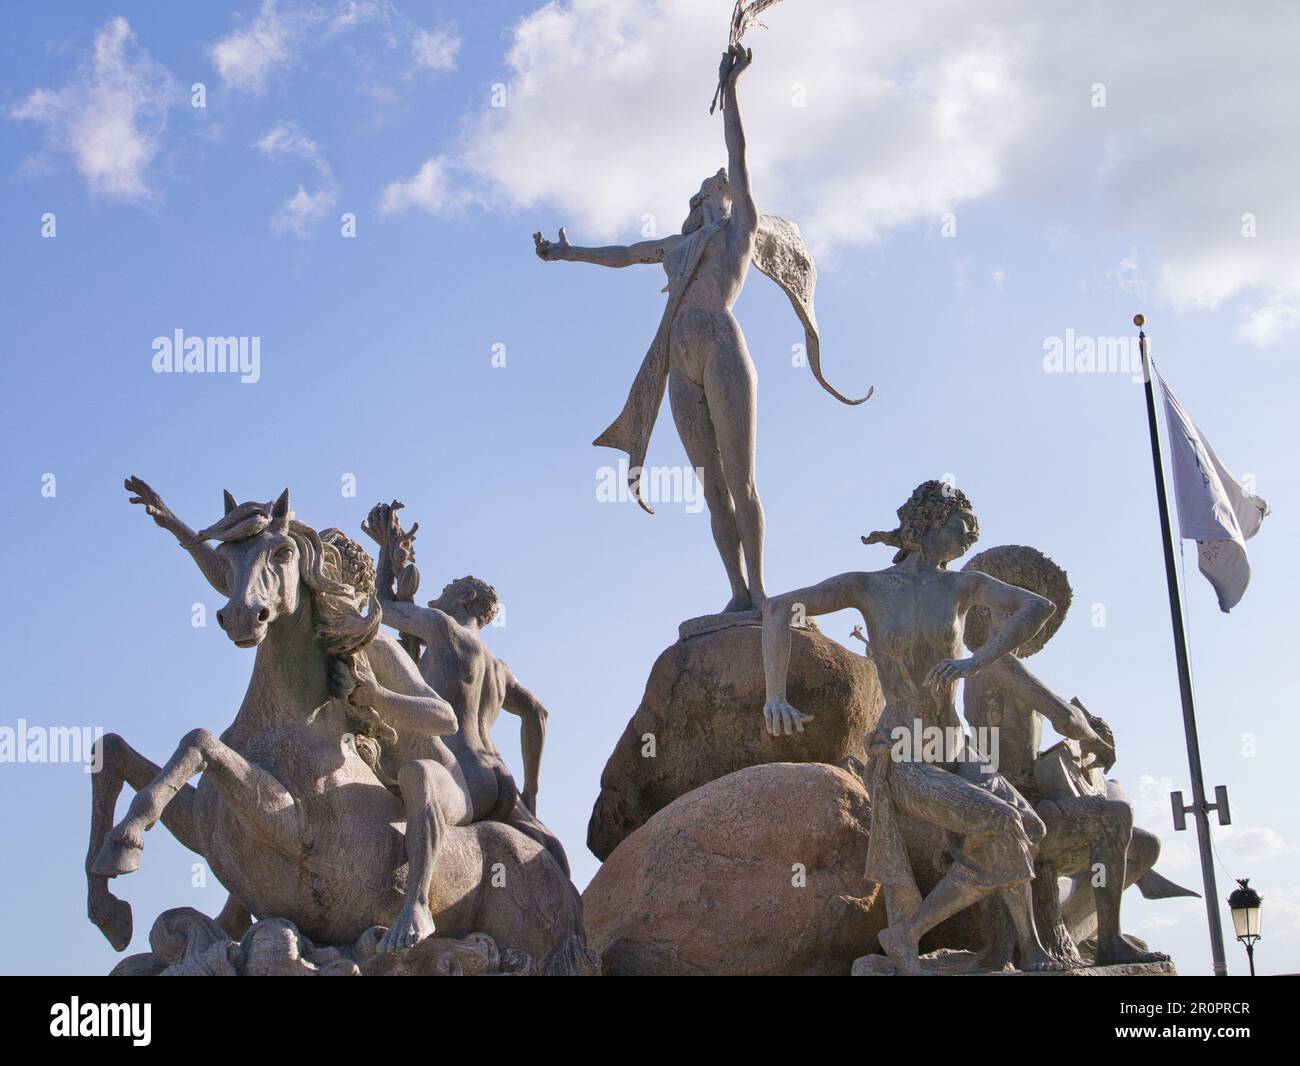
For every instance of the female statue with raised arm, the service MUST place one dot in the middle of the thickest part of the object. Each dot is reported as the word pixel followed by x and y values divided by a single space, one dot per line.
pixel 914 612
pixel 699 352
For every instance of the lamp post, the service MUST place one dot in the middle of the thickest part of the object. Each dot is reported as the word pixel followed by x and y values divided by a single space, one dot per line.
pixel 1246 905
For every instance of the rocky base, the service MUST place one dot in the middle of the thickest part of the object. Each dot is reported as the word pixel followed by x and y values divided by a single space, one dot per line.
pixel 701 718
pixel 946 963
pixel 756 874
pixel 187 943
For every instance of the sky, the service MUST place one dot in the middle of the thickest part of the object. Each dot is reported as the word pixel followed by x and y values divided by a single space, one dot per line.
pixel 354 185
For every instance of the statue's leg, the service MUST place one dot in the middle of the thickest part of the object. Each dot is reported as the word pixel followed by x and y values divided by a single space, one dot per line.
pixel 731 386
pixel 931 794
pixel 121 764
pixel 1079 910
pixel 1109 860
pixel 254 795
pixel 528 823
pixel 433 800
pixel 695 427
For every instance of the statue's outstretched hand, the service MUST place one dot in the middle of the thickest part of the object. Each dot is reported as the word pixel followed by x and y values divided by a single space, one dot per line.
pixel 950 671
pixel 152 503
pixel 551 251
pixel 783 719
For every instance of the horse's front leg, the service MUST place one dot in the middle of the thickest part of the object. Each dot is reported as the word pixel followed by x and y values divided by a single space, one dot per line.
pixel 257 799
pixel 120 764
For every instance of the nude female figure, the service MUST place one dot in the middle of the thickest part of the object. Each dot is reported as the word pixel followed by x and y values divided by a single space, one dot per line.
pixel 914 612
pixel 700 349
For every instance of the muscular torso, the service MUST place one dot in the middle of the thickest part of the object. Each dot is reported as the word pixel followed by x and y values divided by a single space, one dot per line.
pixel 992 702
pixel 913 622
pixel 461 669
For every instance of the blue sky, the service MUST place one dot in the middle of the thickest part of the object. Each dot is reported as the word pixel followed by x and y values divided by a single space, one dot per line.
pixel 880 136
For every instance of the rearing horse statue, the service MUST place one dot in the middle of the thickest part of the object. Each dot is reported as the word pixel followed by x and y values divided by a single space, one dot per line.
pixel 287 813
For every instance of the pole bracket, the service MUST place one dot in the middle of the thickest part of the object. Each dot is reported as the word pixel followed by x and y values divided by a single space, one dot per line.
pixel 1220 805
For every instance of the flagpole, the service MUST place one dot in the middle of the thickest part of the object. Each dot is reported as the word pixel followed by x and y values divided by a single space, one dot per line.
pixel 1199 809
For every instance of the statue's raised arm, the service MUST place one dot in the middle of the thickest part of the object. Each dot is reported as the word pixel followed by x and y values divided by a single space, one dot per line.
pixel 698 354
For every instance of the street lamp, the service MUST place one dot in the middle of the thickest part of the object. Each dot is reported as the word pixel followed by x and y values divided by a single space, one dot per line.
pixel 1246 905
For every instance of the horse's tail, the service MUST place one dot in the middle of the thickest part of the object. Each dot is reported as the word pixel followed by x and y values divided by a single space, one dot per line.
pixel 572 959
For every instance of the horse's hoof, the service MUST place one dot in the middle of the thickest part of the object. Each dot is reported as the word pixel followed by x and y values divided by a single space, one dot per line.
pixel 113 917
pixel 116 858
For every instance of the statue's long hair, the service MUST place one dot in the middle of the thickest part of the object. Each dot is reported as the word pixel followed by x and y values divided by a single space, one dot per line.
pixel 927 508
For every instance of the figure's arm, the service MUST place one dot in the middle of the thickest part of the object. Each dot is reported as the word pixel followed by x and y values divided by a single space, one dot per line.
pixel 743 209
pixel 1027 611
pixel 396 550
pixel 834 594
pixel 209 561
pixel 1066 718
pixel 386 680
pixel 532 733
pixel 613 255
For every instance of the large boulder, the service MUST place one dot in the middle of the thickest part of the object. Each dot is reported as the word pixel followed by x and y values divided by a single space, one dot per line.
pixel 701 718
pixel 757 873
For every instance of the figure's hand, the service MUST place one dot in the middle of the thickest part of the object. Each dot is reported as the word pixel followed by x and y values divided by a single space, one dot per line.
pixel 341 681
pixel 735 60
pixel 782 719
pixel 383 732
pixel 152 503
pixel 384 527
pixel 529 796
pixel 950 671
pixel 551 251
pixel 1100 740
pixel 365 689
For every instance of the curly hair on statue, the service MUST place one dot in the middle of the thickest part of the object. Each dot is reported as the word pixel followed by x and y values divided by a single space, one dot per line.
pixel 927 508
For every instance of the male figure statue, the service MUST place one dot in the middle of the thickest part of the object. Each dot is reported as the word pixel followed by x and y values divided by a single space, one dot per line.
pixel 457 664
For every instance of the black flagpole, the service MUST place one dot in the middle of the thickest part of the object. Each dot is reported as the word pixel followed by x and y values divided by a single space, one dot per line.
pixel 1199 809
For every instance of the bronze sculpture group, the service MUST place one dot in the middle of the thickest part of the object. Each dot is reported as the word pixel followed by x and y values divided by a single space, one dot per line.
pixel 358 800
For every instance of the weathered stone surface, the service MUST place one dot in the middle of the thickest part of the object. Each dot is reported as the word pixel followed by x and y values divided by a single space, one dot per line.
pixel 944 963
pixel 186 943
pixel 703 705
pixel 707 885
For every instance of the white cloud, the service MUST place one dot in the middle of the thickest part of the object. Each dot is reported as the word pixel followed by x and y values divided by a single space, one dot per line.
pixel 111 117
pixel 859 125
pixel 301 212
pixel 430 189
pixel 435 49
pixel 245 58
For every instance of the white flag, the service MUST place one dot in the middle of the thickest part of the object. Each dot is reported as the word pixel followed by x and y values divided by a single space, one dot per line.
pixel 1213 508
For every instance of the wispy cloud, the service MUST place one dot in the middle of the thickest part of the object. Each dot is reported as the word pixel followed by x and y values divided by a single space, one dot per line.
pixel 435 49
pixel 275 39
pixel 302 211
pixel 858 127
pixel 111 117
pixel 431 189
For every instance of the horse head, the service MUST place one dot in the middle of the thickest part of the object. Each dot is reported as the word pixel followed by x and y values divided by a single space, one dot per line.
pixel 262 560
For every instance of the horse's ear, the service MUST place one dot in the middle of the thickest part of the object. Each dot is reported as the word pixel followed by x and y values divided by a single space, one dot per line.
pixel 230 501
pixel 280 511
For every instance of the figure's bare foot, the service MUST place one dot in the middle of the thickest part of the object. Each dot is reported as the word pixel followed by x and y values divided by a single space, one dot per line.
pixel 739 602
pixel 1037 960
pixel 413 923
pixel 120 854
pixel 901 951
pixel 112 915
pixel 1119 951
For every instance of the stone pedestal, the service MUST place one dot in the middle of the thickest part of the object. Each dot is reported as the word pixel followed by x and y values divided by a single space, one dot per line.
pixel 701 718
